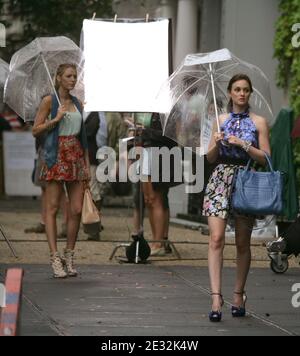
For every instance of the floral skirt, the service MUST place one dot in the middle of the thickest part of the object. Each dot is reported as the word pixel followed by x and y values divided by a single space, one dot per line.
pixel 70 165
pixel 217 199
pixel 218 192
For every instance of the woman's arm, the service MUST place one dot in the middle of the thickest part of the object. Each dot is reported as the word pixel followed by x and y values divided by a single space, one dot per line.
pixel 263 141
pixel 41 124
pixel 215 141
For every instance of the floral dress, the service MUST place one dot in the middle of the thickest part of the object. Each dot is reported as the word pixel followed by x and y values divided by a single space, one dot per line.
pixel 219 188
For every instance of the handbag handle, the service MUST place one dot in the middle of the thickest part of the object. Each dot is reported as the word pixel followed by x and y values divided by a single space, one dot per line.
pixel 268 158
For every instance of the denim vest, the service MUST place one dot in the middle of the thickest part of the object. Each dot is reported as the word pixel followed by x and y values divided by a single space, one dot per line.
pixel 51 142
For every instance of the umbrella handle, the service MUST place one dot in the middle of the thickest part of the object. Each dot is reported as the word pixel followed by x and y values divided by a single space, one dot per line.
pixel 214 96
pixel 51 81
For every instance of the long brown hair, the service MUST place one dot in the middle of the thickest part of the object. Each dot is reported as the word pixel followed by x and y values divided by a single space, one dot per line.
pixel 234 79
pixel 60 71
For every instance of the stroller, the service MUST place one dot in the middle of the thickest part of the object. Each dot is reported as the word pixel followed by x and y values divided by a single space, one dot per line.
pixel 284 247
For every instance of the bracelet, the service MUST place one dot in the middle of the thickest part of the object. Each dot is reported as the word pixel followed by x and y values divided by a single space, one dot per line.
pixel 246 146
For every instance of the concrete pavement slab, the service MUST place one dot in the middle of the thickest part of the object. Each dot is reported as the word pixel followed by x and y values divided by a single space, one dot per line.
pixel 148 300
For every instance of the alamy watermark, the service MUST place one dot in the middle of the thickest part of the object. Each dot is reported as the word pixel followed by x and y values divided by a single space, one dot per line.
pixel 175 166
pixel 2 296
pixel 2 35
pixel 296 296
pixel 296 37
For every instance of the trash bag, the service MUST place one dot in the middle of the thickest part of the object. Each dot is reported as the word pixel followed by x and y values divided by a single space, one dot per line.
pixel 144 249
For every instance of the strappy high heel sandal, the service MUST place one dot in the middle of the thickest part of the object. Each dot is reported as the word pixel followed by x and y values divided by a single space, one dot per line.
pixel 215 316
pixel 238 312
pixel 57 266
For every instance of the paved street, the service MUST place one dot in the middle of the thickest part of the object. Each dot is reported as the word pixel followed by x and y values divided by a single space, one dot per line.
pixel 147 300
pixel 165 297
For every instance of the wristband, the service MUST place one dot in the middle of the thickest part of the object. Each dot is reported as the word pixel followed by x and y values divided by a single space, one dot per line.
pixel 246 146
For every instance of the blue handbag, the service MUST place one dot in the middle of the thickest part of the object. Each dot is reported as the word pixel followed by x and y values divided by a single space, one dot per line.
pixel 258 193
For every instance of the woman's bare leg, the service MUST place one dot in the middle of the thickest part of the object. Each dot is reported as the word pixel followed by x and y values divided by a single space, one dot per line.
pixel 243 231
pixel 167 223
pixel 64 208
pixel 53 193
pixel 215 258
pixel 154 203
pixel 43 206
pixel 75 193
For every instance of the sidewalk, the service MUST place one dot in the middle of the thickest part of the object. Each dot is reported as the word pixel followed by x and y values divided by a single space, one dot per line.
pixel 148 300
pixel 165 297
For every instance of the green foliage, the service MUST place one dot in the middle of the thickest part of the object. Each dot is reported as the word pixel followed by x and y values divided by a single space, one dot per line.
pixel 288 73
pixel 51 18
pixel 284 51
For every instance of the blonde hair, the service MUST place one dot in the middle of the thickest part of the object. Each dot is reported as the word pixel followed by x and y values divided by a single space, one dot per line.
pixel 60 71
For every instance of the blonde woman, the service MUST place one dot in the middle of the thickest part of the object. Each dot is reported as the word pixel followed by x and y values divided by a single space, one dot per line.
pixel 66 164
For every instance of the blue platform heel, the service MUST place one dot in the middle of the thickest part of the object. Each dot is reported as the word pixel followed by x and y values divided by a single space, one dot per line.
pixel 216 316
pixel 239 312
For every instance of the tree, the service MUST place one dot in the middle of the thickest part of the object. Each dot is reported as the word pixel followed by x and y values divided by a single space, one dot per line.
pixel 49 18
pixel 288 54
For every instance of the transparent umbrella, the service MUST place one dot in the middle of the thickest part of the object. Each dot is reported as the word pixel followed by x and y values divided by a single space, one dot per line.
pixel 4 69
pixel 32 71
pixel 196 94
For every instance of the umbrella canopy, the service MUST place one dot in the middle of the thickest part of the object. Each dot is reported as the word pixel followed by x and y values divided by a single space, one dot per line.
pixel 32 71
pixel 296 129
pixel 4 70
pixel 282 157
pixel 196 94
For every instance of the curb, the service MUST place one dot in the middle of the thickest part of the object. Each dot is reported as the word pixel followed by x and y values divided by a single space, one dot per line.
pixel 10 315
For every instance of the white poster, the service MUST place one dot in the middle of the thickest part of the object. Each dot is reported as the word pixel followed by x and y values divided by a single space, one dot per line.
pixel 125 65
pixel 19 155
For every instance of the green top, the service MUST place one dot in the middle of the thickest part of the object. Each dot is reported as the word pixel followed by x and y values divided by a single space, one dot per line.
pixel 143 118
pixel 70 125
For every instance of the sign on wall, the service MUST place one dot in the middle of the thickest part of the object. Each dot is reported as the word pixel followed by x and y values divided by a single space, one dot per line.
pixel 19 155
